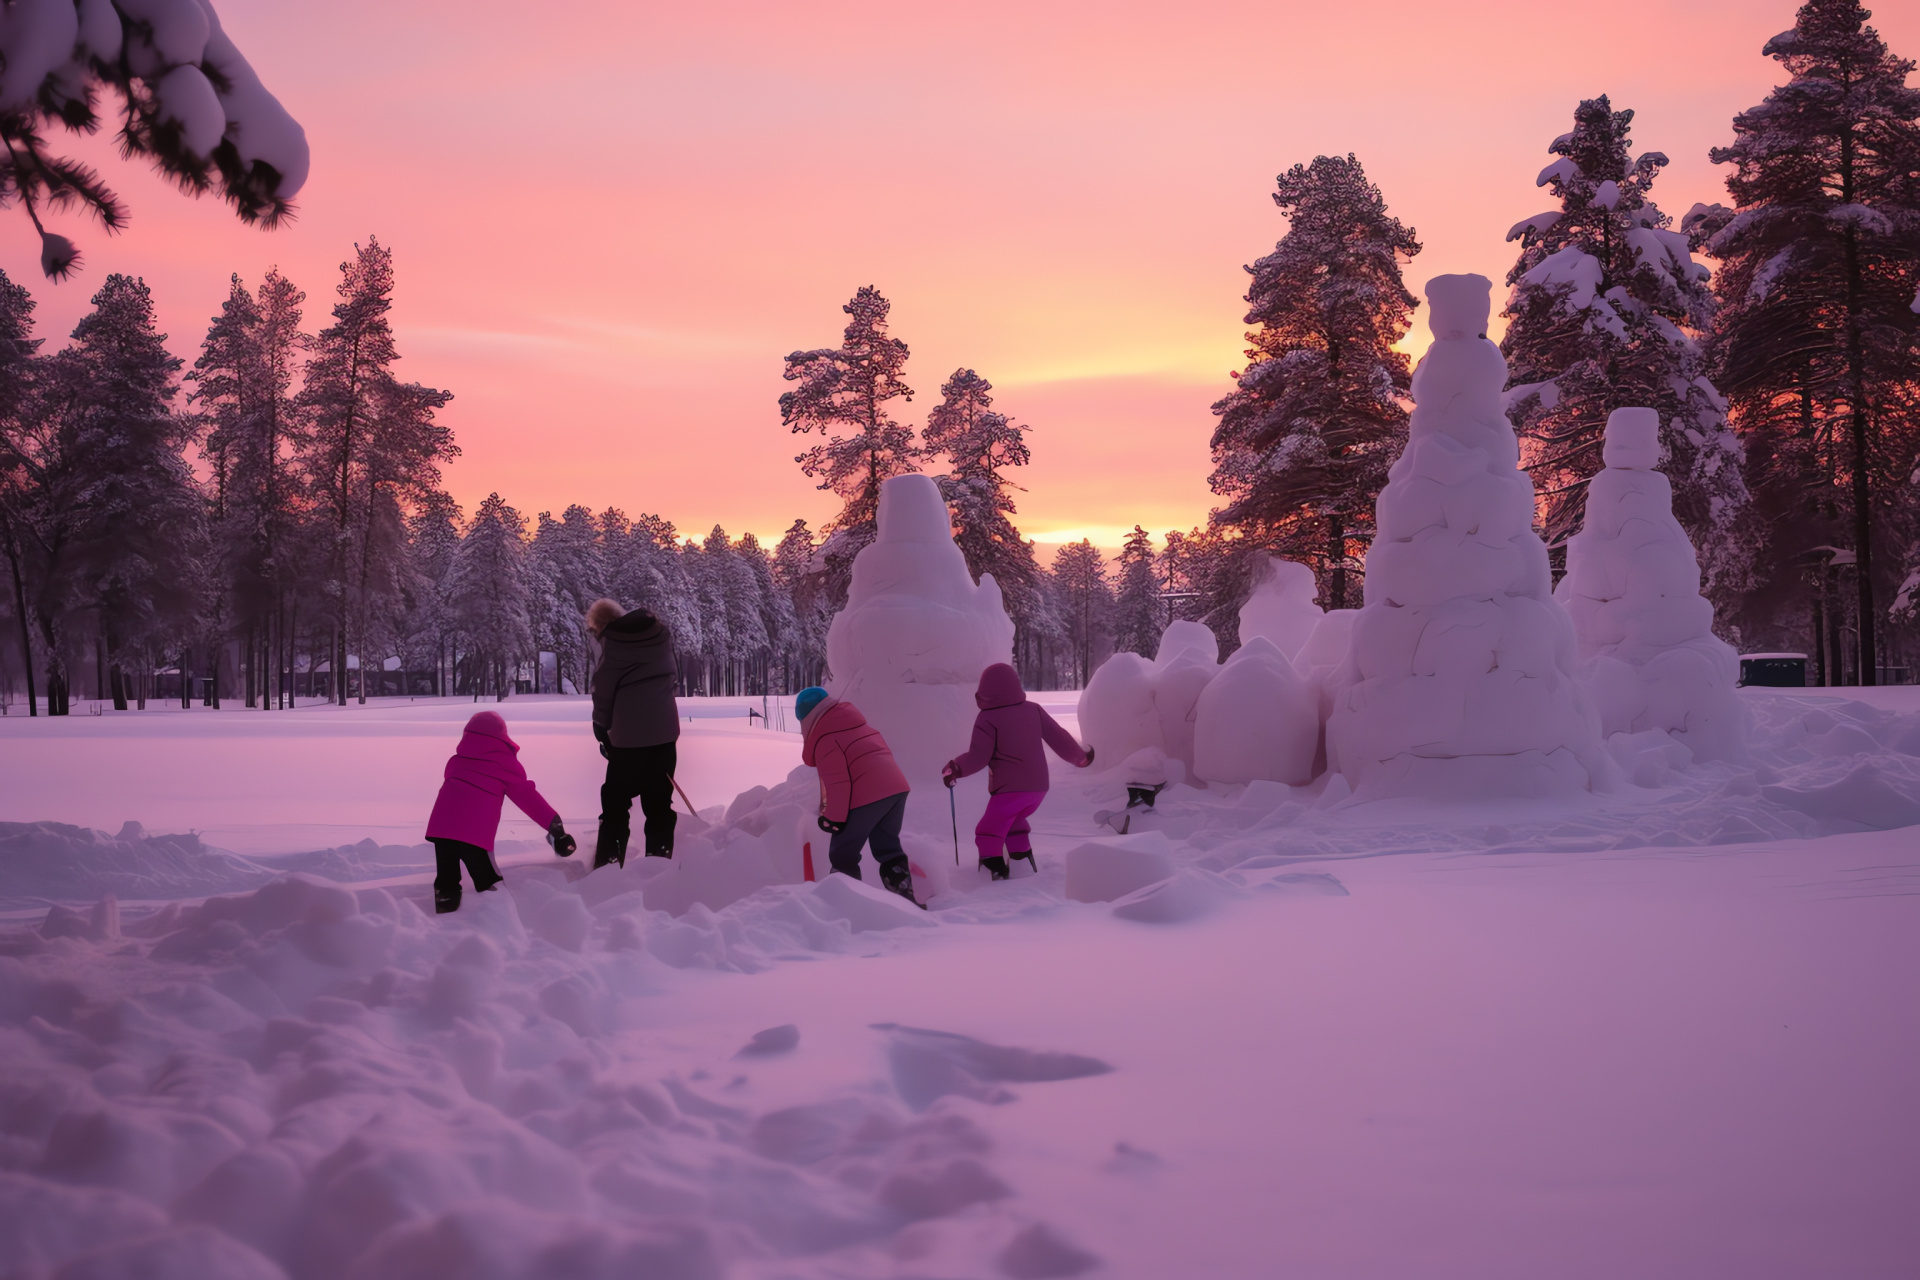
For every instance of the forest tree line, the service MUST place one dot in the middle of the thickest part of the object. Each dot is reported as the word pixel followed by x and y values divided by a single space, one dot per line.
pixel 274 514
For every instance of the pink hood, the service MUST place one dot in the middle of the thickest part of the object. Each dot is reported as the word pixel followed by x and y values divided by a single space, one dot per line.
pixel 484 771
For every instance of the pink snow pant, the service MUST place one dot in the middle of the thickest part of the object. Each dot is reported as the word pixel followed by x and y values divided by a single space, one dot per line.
pixel 1004 824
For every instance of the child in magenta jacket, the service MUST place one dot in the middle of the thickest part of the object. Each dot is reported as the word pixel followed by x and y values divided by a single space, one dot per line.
pixel 1010 737
pixel 484 770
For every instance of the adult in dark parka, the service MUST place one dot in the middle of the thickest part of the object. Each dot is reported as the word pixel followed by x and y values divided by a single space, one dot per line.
pixel 638 725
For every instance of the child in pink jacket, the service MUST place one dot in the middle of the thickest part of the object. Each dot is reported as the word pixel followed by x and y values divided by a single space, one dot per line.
pixel 1010 737
pixel 484 770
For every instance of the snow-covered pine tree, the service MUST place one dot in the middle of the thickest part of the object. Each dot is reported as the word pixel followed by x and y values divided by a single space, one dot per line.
pixel 1815 339
pixel 775 608
pixel 139 538
pixel 572 573
pixel 1138 615
pixel 1086 599
pixel 844 394
pixel 192 105
pixel 19 475
pixel 1606 303
pixel 488 593
pixel 803 656
pixel 251 420
pixel 373 447
pixel 649 571
pixel 979 443
pixel 1318 415
pixel 433 537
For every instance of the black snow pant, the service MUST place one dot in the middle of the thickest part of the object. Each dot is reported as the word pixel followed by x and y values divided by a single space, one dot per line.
pixel 449 856
pixel 646 772
pixel 878 822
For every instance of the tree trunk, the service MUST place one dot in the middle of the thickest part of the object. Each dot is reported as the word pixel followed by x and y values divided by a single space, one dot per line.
pixel 20 612
pixel 1336 563
pixel 1860 423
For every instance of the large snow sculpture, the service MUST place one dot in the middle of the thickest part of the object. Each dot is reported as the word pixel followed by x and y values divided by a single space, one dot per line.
pixel 1257 720
pixel 1131 703
pixel 916 633
pixel 1632 588
pixel 1281 607
pixel 1459 679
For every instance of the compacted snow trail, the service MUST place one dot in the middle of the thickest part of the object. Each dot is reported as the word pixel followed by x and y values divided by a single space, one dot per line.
pixel 1533 1041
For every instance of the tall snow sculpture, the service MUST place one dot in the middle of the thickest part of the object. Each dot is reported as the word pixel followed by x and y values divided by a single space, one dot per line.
pixel 1632 588
pixel 1281 607
pixel 1460 679
pixel 916 633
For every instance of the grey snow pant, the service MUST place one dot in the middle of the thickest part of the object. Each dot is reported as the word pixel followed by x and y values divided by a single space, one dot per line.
pixel 878 822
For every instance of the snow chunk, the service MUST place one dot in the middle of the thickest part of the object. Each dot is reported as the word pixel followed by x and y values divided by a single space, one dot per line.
pixel 1132 705
pixel 865 907
pixel 1862 801
pixel 930 1065
pixel 1257 720
pixel 1190 894
pixel 1103 870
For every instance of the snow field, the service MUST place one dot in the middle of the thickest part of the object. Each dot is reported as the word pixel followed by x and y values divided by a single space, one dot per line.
pixel 1653 1035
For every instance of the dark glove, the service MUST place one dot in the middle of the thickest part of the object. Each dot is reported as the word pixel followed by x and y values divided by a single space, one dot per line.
pixel 563 844
pixel 949 774
pixel 831 827
pixel 1089 758
pixel 605 754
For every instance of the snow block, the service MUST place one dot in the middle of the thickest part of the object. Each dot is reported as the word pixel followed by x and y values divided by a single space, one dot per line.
pixel 1256 720
pixel 865 907
pixel 1131 704
pixel 1864 800
pixel 1103 870
pixel 1190 894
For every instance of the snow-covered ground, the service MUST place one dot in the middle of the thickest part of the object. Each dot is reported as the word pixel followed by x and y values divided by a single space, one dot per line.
pixel 1668 1032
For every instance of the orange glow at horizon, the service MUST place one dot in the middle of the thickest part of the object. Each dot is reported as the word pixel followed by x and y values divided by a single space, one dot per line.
pixel 610 222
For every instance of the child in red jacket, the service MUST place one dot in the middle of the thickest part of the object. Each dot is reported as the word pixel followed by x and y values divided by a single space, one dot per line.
pixel 863 794
pixel 485 768
pixel 1010 737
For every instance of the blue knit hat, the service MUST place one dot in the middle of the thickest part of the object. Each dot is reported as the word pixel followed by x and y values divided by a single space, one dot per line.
pixel 809 699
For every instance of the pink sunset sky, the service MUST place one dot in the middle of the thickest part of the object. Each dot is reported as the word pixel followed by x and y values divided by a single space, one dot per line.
pixel 611 221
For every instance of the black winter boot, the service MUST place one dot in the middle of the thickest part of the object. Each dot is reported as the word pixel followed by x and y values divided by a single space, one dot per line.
pixel 609 847
pixel 897 877
pixel 998 866
pixel 445 900
pixel 660 853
